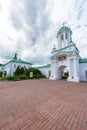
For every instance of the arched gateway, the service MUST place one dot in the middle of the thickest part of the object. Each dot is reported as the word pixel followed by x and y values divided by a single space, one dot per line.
pixel 66 55
pixel 61 71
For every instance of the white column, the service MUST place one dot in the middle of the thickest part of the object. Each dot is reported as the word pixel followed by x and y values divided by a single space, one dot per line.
pixel 68 38
pixel 55 71
pixel 76 69
pixel 69 68
pixel 52 65
pixel 64 42
pixel 59 44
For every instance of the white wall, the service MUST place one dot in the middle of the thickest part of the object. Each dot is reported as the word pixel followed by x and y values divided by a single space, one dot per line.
pixel 83 68
pixel 1 68
pixel 45 71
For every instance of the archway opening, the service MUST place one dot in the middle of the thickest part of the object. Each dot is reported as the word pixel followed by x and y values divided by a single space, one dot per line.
pixel 63 72
pixel 86 74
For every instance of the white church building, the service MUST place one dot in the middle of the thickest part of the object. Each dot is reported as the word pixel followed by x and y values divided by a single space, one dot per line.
pixel 65 56
pixel 10 67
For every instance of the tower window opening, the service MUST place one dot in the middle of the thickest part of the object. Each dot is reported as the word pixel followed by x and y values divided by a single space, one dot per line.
pixel 61 37
pixel 62 40
pixel 66 39
pixel 66 35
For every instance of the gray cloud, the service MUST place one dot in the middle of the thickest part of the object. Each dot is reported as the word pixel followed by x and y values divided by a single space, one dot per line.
pixel 16 22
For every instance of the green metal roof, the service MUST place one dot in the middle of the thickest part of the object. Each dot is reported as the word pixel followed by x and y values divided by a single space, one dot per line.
pixel 20 61
pixel 16 60
pixel 64 28
pixel 42 66
pixel 83 60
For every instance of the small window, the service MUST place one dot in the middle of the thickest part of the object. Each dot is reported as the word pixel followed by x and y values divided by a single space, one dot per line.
pixel 66 35
pixel 61 37
pixel 14 65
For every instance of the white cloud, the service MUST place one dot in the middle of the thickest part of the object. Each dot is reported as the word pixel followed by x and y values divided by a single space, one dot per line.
pixel 30 28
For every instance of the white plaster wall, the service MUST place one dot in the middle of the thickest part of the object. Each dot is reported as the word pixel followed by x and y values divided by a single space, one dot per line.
pixel 83 68
pixel 62 63
pixel 45 71
pixel 1 68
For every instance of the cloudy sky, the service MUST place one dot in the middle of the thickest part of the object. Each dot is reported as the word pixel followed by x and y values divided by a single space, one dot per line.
pixel 29 27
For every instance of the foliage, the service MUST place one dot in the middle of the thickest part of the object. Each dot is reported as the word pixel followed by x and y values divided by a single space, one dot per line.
pixel 17 72
pixel 22 70
pixel 23 77
pixel 36 73
pixel 24 73
pixel 1 73
pixel 3 78
pixel 66 74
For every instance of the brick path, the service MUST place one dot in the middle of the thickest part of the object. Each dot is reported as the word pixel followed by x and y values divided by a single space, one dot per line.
pixel 43 105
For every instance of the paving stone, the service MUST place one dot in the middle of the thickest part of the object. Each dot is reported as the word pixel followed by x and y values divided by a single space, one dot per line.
pixel 43 105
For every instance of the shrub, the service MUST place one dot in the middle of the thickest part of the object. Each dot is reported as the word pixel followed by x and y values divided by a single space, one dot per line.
pixel 23 77
pixel 1 73
pixel 24 73
pixel 66 74
pixel 3 78
pixel 18 71
pixel 16 78
pixel 9 78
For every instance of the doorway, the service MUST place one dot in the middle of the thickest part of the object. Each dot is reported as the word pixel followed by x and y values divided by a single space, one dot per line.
pixel 63 72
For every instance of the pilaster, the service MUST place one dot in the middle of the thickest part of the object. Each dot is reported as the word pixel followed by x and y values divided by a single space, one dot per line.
pixel 76 69
pixel 64 42
pixel 68 39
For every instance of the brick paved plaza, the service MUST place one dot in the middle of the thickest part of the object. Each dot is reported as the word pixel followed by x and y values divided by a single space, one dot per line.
pixel 43 105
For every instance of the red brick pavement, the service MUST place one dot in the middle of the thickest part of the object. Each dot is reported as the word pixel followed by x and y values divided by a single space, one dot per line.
pixel 43 105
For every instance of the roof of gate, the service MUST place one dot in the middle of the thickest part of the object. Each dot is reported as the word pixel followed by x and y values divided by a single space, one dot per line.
pixel 42 66
pixel 83 60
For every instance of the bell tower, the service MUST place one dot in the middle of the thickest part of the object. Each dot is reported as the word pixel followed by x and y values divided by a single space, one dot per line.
pixel 65 56
pixel 63 37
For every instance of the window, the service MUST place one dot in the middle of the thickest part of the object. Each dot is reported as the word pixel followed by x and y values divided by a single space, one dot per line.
pixel 14 65
pixel 61 37
pixel 61 58
pixel 66 35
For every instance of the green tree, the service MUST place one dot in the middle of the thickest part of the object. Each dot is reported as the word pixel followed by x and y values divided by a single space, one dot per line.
pixel 22 70
pixel 18 71
pixel 66 74
pixel 1 73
